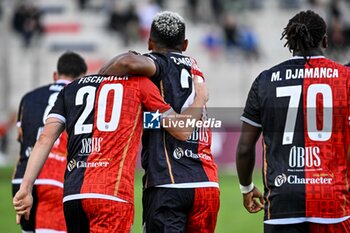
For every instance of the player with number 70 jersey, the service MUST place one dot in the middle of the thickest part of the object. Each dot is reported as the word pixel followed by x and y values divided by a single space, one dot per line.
pixel 304 110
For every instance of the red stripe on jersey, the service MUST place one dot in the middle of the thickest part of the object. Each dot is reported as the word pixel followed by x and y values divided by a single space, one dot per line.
pixel 325 162
pixel 208 164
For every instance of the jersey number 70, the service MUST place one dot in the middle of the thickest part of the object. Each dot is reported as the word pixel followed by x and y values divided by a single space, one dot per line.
pixel 294 92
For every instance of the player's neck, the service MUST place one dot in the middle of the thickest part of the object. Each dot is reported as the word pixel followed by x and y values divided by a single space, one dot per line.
pixel 311 52
pixel 65 78
pixel 166 50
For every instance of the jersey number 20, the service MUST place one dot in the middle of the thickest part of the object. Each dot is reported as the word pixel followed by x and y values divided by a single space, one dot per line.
pixel 101 124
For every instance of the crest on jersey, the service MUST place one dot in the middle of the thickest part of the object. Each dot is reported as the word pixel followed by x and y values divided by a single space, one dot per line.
pixel 151 120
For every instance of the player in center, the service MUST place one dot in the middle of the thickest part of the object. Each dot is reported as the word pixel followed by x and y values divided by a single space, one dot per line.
pixel 181 190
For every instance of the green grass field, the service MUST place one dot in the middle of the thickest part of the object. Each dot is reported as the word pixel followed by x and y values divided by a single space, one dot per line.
pixel 232 216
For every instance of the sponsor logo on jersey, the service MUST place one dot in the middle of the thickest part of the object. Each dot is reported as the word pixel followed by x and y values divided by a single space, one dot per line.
pixel 199 135
pixel 304 157
pixel 151 120
pixel 294 179
pixel 179 153
pixel 90 145
pixel 280 179
pixel 83 164
pixel 71 165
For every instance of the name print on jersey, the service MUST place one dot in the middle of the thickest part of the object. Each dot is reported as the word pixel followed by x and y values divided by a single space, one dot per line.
pixel 317 72
pixel 187 61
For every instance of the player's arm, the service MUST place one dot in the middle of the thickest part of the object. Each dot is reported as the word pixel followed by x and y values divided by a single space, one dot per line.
pixel 153 101
pixel 194 112
pixel 23 199
pixel 19 122
pixel 245 161
pixel 129 64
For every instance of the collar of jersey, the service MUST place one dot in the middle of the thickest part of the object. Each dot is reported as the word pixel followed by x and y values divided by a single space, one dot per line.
pixel 66 82
pixel 308 57
pixel 177 53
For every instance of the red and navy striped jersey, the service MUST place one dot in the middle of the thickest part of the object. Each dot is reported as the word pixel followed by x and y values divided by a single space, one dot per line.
pixel 303 109
pixel 167 161
pixel 103 119
pixel 33 110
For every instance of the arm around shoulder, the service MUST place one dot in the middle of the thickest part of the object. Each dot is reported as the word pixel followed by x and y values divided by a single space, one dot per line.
pixel 129 64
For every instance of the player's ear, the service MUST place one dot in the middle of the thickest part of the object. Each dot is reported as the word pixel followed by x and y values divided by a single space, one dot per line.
pixel 184 45
pixel 150 44
pixel 325 41
pixel 55 76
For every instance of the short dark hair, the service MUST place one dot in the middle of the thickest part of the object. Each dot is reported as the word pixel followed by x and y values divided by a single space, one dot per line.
pixel 168 30
pixel 304 31
pixel 71 64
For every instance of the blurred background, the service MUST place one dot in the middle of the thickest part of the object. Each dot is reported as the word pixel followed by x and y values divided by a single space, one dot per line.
pixel 232 40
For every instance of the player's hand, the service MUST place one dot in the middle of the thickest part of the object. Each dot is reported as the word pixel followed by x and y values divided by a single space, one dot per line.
pixel 22 202
pixel 253 201
pixel 201 89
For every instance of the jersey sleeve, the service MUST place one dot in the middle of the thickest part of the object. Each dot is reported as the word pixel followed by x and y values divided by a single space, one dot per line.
pixel 251 113
pixel 58 110
pixel 160 64
pixel 151 98
pixel 20 113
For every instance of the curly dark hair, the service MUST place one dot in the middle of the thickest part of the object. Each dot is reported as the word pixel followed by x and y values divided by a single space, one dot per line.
pixel 168 30
pixel 304 31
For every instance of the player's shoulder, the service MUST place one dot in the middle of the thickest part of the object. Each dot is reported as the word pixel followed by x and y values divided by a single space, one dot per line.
pixel 176 57
pixel 142 81
pixel 343 70
pixel 281 67
pixel 39 91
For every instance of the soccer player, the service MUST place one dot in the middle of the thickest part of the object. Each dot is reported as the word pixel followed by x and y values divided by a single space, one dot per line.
pixel 103 119
pixel 181 190
pixel 47 211
pixel 301 106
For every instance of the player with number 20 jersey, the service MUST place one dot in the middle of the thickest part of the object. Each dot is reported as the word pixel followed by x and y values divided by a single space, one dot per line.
pixel 103 116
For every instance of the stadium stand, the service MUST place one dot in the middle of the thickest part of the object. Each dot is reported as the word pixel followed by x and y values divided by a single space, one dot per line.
pixel 66 27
